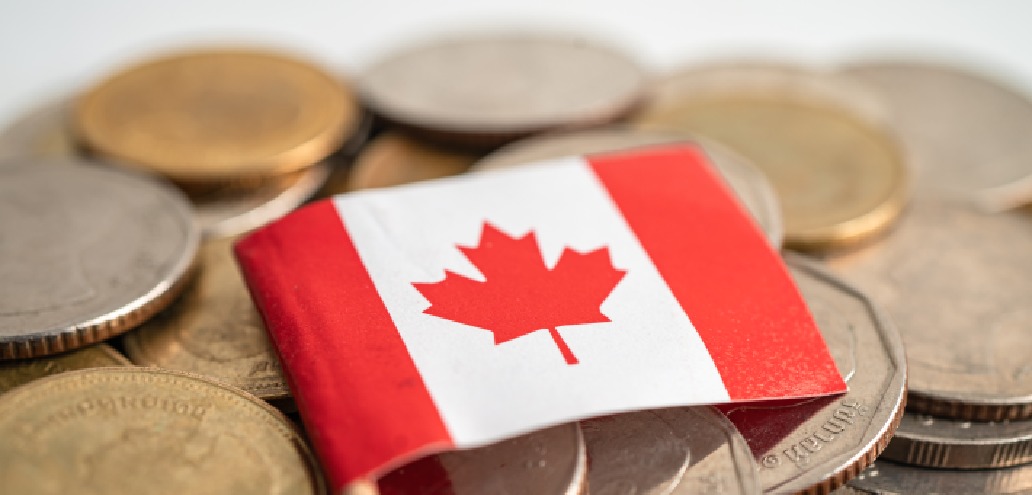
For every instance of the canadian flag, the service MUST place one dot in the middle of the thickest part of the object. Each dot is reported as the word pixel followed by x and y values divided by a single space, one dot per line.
pixel 461 311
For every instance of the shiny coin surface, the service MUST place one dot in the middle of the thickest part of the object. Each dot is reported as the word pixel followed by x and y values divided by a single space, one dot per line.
pixel 550 461
pixel 749 184
pixel 213 330
pixel 144 430
pixel 885 477
pixel 957 282
pixel 217 115
pixel 668 451
pixel 15 373
pixel 490 89
pixel 839 175
pixel 948 443
pixel 87 252
pixel 43 132
pixel 814 445
pixel 393 159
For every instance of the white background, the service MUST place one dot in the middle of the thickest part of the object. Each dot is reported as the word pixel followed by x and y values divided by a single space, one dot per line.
pixel 51 47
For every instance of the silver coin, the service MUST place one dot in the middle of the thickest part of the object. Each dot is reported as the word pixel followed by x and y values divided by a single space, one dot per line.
pixel 814 445
pixel 42 132
pixel 885 477
pixel 667 451
pixel 492 88
pixel 949 443
pixel 751 186
pixel 86 253
pixel 550 461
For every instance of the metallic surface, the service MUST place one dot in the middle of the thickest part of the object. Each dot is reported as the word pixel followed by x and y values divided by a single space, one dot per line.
pixel 143 431
pixel 15 373
pixel 217 115
pixel 43 132
pixel 213 330
pixel 393 159
pixel 885 477
pixel 749 184
pixel 86 253
pixel 550 461
pixel 814 445
pixel 839 175
pixel 492 88
pixel 949 443
pixel 668 451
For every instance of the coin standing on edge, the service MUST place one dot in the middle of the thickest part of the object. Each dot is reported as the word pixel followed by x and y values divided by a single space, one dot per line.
pixel 949 443
pixel 748 184
pixel 145 430
pixel 546 462
pixel 393 159
pixel 217 115
pixel 88 253
pixel 889 478
pixel 213 330
pixel 486 90
pixel 838 172
pixel 15 373
pixel 676 451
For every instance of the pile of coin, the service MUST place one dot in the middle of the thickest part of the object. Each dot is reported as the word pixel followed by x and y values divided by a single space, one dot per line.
pixel 903 183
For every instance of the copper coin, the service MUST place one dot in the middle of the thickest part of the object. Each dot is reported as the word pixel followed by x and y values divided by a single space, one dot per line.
pixel 393 159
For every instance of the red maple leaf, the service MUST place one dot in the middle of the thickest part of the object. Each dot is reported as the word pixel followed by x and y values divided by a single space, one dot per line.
pixel 520 294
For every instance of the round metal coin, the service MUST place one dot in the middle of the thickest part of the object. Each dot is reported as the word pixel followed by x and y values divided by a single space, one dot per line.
pixel 43 132
pixel 15 373
pixel 87 252
pixel 668 451
pixel 885 478
pixel 217 115
pixel 948 443
pixel 749 184
pixel 143 431
pixel 393 159
pixel 550 461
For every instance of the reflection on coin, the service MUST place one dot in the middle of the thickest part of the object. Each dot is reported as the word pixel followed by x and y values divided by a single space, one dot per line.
pixel 957 282
pixel 87 253
pixel 946 443
pixel 814 445
pixel 885 477
pixel 393 159
pixel 217 115
pixel 489 89
pixel 144 430
pixel 840 177
pixel 41 133
pixel 667 451
pixel 213 330
pixel 749 185
pixel 15 373
pixel 550 461
pixel 233 211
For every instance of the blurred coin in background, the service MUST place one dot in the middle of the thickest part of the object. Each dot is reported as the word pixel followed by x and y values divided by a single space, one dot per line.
pixel 393 158
pixel 43 132
pixel 20 372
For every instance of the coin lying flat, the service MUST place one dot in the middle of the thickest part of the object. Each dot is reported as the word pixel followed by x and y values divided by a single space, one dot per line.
pixel 550 461
pixel 885 477
pixel 217 115
pixel 839 175
pixel 394 159
pixel 213 330
pixel 141 430
pixel 43 132
pixel 15 373
pixel 489 89
pixel 947 443
pixel 814 445
pixel 749 185
pixel 87 253
pixel 667 451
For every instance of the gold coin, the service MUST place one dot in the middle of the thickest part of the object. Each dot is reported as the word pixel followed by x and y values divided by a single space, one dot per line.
pixel 15 373
pixel 840 177
pixel 217 115
pixel 393 159
pixel 147 431
pixel 213 330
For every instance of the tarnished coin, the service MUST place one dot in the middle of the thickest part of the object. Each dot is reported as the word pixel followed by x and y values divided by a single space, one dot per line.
pixel 814 445
pixel 217 115
pixel 885 478
pixel 145 430
pixel 86 253
pixel 550 461
pixel 749 184
pixel 393 159
pixel 489 89
pixel 43 132
pixel 667 451
pixel 839 174
pixel 957 282
pixel 949 443
pixel 213 330
pixel 15 373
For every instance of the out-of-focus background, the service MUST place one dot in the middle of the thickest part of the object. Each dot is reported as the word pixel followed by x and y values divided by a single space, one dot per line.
pixel 49 48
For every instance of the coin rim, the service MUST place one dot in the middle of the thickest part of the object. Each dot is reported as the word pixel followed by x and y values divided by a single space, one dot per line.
pixel 926 449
